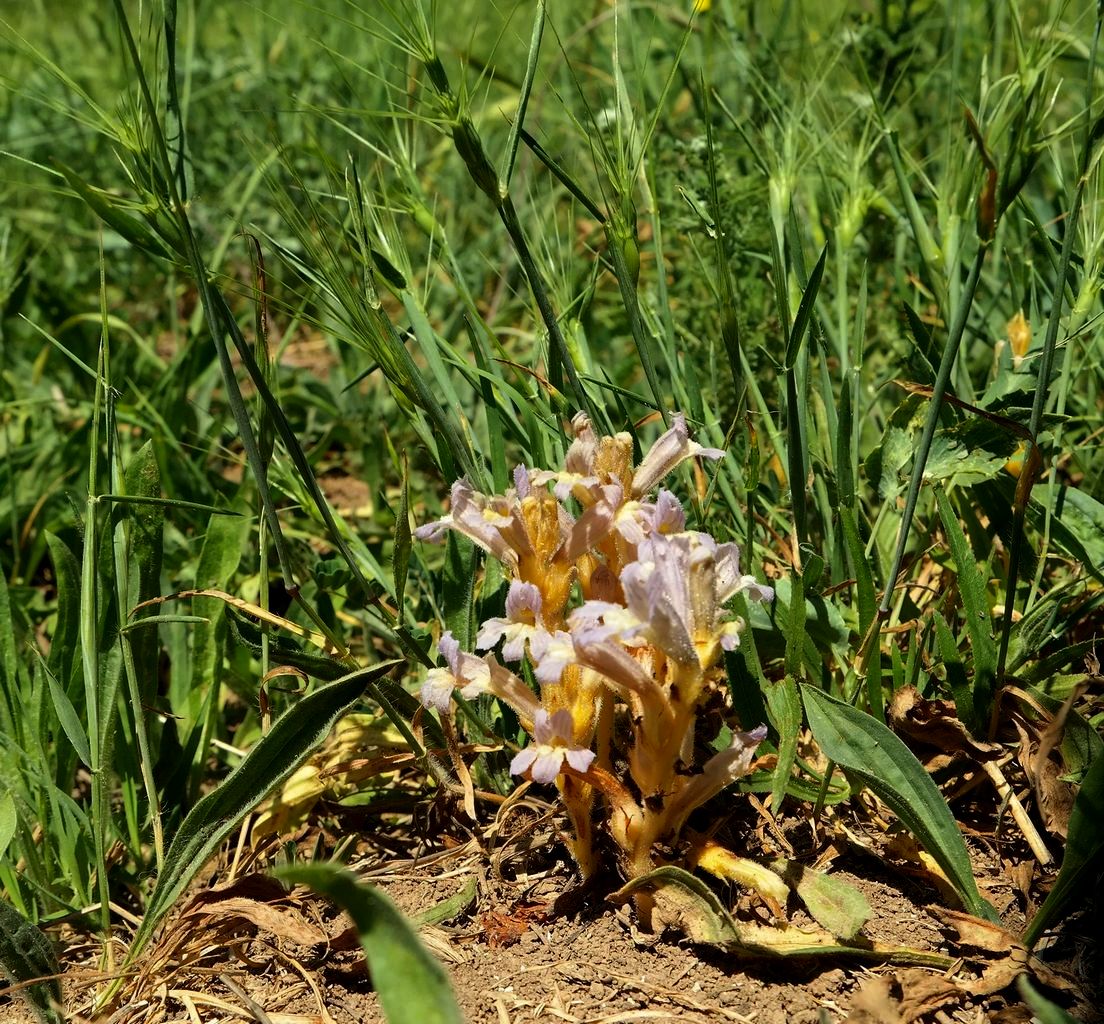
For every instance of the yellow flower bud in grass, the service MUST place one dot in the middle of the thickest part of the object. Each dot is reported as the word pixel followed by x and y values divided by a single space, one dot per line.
pixel 1015 464
pixel 1019 337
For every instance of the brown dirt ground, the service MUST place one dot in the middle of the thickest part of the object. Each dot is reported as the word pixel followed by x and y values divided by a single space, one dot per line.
pixel 526 952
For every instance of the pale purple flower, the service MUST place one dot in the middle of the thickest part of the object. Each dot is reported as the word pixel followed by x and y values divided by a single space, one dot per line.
pixel 669 451
pixel 597 649
pixel 584 448
pixel 726 570
pixel 553 744
pixel 464 671
pixel 521 624
pixel 665 515
pixel 610 511
pixel 494 523
pixel 678 586
pixel 551 654
pixel 578 476
pixel 659 592
pixel 753 590
pixel 601 620
pixel 614 510
pixel 565 485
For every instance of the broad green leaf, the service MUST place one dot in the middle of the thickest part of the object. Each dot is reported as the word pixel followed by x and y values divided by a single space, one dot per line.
pixel 870 751
pixel 1077 525
pixel 1084 844
pixel 685 902
pixel 192 697
pixel 835 904
pixel 219 557
pixel 458 589
pixel 824 624
pixel 975 449
pixel 268 765
pixel 885 463
pixel 26 954
pixel 412 986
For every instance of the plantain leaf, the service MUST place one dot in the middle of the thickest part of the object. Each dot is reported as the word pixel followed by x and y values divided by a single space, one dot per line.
pixel 835 904
pixel 1084 845
pixel 870 751
pixel 26 954
pixel 412 986
pixel 270 763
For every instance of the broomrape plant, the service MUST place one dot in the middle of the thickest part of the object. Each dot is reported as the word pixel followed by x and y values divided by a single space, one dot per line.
pixel 621 613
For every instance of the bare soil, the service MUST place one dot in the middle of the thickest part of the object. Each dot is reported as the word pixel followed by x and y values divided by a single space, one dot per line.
pixel 534 945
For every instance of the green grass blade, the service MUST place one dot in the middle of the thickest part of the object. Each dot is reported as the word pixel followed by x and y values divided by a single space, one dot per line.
pixel 413 987
pixel 26 954
pixel 275 757
pixel 978 622
pixel 64 642
pixel 805 311
pixel 869 750
pixel 562 176
pixel 400 559
pixel 138 558
pixel 523 99
pixel 1043 1010
pixel 784 712
pixel 955 671
pixel 942 379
